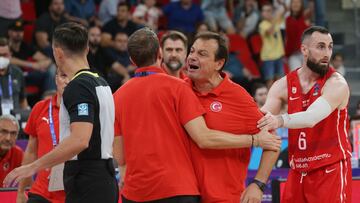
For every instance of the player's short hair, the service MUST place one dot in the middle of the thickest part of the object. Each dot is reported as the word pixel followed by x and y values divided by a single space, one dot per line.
pixel 309 31
pixel 71 37
pixel 143 47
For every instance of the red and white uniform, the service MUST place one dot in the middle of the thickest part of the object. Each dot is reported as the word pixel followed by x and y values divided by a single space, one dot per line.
pixel 315 152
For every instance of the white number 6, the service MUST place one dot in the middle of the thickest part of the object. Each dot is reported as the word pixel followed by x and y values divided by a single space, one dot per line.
pixel 302 141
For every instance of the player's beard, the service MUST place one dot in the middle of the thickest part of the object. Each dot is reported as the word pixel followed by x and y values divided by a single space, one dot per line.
pixel 317 67
pixel 174 64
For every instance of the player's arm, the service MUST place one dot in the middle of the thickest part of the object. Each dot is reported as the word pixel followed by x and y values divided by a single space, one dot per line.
pixel 277 95
pixel 213 139
pixel 335 95
pixel 80 133
pixel 30 156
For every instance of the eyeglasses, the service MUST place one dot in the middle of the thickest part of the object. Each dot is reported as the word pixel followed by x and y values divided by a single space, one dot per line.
pixel 4 132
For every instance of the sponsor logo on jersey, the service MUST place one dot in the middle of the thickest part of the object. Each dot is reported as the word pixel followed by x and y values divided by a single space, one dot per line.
pixel 83 109
pixel 215 106
pixel 329 170
pixel 45 119
pixel 293 98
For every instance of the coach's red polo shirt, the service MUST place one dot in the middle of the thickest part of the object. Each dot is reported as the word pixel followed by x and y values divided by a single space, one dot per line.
pixel 222 173
pixel 38 127
pixel 10 161
pixel 150 112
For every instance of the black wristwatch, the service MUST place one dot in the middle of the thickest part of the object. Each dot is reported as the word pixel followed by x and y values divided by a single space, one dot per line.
pixel 260 184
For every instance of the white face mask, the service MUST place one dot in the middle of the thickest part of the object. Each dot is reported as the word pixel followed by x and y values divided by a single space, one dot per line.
pixel 4 62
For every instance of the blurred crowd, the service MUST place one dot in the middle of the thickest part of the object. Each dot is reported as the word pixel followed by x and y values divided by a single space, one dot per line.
pixel 263 36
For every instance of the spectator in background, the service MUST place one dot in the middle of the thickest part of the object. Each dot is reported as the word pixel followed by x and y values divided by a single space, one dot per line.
pixel 38 68
pixel 216 16
pixel 120 23
pixel 147 14
pixel 296 23
pixel 46 23
pixel 10 154
pixel 247 18
pixel 122 67
pixel 174 46
pixel 272 50
pixel 12 83
pixel 82 11
pixel 259 92
pixel 202 27
pixel 337 62
pixel 320 6
pixel 99 59
pixel 43 130
pixel 107 10
pixel 183 16
pixel 10 11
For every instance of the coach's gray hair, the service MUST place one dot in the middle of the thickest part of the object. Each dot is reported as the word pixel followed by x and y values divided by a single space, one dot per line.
pixel 10 118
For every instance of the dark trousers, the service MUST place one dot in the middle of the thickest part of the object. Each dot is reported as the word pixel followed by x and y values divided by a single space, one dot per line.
pixel 176 199
pixel 35 198
pixel 90 181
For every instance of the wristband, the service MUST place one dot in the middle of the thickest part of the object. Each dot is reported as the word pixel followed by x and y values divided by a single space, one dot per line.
pixel 260 184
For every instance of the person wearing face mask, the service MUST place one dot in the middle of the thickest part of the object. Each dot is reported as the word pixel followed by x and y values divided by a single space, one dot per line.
pixel 174 47
pixel 12 83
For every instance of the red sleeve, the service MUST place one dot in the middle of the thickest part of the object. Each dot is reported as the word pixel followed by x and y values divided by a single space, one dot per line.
pixel 117 130
pixel 189 106
pixel 30 127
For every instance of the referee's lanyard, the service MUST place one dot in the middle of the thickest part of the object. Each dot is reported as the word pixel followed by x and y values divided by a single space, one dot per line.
pixel 51 125
pixel 143 74
pixel 7 104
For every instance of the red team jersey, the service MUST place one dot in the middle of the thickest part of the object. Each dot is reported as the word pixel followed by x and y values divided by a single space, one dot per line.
pixel 38 127
pixel 222 173
pixel 10 161
pixel 326 142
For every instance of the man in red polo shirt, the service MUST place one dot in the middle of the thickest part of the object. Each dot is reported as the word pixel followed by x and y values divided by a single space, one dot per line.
pixel 10 154
pixel 153 112
pixel 222 173
pixel 43 130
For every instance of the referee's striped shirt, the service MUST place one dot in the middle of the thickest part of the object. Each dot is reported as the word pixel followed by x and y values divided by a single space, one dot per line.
pixel 88 98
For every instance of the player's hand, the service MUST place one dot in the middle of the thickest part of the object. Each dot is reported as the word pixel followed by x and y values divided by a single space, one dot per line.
pixel 270 122
pixel 21 197
pixel 267 140
pixel 252 194
pixel 18 174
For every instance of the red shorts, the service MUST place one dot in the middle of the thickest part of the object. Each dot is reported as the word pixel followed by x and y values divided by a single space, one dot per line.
pixel 328 184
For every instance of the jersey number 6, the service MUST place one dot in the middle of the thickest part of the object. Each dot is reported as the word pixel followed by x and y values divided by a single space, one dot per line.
pixel 302 141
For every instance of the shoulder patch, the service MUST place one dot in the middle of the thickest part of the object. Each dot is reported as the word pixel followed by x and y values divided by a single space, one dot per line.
pixel 83 109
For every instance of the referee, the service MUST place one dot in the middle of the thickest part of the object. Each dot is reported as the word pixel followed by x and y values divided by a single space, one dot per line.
pixel 86 125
